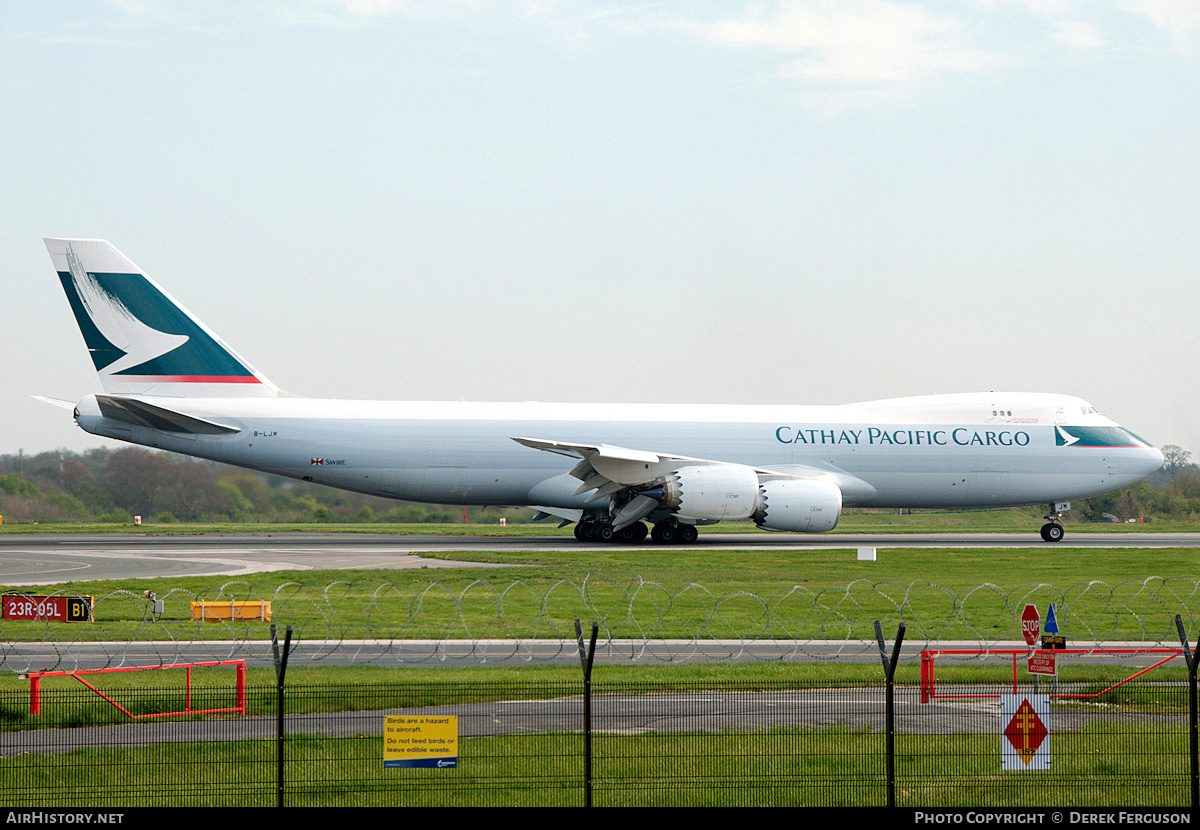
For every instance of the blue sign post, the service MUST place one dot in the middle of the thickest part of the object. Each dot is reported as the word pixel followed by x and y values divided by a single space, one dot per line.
pixel 1051 638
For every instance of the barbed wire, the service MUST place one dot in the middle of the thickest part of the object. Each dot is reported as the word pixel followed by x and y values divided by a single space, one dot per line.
pixel 524 620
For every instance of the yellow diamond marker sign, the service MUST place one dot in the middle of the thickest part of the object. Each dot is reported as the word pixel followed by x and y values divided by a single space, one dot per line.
pixel 420 741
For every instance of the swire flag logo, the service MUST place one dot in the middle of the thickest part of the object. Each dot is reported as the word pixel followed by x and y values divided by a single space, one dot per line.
pixel 318 462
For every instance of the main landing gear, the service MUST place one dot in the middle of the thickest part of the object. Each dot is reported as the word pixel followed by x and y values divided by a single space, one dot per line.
pixel 664 533
pixel 673 532
pixel 601 531
pixel 1052 530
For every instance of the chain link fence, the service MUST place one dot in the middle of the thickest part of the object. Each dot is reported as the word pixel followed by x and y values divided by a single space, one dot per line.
pixel 607 743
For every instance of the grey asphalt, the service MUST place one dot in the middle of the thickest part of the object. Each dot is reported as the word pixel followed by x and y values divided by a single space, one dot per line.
pixel 613 713
pixel 52 558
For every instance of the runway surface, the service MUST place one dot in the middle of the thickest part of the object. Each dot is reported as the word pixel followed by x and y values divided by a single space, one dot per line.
pixel 53 558
pixel 613 713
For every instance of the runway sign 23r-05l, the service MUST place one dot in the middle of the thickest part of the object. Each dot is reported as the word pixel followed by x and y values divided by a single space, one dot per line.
pixel 50 609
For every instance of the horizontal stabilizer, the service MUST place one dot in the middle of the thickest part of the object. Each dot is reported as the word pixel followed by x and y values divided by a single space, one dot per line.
pixel 59 402
pixel 140 413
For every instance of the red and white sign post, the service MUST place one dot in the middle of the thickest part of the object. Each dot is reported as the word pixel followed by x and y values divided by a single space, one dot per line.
pixel 1039 662
pixel 1031 625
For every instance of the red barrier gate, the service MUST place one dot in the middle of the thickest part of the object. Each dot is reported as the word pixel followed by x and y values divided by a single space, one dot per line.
pixel 239 707
pixel 929 689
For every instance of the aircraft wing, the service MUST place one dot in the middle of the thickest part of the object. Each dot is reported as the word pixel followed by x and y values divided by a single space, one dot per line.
pixel 608 469
pixel 794 498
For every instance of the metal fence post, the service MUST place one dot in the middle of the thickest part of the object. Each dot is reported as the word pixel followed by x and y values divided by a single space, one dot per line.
pixel 586 655
pixel 280 670
pixel 1193 737
pixel 889 671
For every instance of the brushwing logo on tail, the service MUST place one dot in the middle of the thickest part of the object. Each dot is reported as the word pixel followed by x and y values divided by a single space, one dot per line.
pixel 136 342
pixel 135 333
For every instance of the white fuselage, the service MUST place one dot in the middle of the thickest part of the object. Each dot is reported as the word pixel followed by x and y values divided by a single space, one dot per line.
pixel 986 450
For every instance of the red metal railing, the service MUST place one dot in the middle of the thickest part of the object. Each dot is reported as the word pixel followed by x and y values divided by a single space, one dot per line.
pixel 239 707
pixel 929 689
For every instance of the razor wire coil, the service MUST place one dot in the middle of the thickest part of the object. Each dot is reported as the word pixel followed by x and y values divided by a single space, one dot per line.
pixel 377 622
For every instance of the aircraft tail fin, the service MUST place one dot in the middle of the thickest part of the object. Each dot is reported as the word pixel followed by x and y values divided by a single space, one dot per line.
pixel 142 341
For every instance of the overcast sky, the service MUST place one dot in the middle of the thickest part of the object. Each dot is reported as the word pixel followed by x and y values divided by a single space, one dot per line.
pixel 781 201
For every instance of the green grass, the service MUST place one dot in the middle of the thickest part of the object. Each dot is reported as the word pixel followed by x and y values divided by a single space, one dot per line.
pixel 855 521
pixel 1097 766
pixel 950 593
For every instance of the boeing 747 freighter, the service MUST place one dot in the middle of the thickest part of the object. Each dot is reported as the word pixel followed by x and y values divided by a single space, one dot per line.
pixel 617 471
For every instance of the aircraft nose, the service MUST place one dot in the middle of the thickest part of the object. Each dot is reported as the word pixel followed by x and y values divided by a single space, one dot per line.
pixel 1154 459
pixel 1135 464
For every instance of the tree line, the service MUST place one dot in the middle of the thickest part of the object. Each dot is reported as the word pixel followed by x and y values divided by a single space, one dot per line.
pixel 104 485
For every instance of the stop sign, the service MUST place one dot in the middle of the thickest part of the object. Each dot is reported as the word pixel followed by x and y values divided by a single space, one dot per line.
pixel 1031 624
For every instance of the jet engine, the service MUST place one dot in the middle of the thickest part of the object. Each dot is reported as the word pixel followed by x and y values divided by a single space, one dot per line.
pixel 732 491
pixel 725 491
pixel 798 505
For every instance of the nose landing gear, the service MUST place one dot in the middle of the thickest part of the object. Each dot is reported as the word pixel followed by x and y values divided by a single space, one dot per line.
pixel 1053 530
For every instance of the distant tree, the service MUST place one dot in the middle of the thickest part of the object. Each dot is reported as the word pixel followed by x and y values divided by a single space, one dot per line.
pixel 253 494
pixel 231 501
pixel 190 493
pixel 1175 459
pixel 136 478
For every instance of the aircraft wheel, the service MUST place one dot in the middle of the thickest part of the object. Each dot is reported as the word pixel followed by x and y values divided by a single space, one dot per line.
pixel 687 534
pixel 581 531
pixel 603 533
pixel 664 533
pixel 631 534
pixel 1052 532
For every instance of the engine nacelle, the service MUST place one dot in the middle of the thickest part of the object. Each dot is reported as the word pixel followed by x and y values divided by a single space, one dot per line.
pixel 799 505
pixel 726 491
